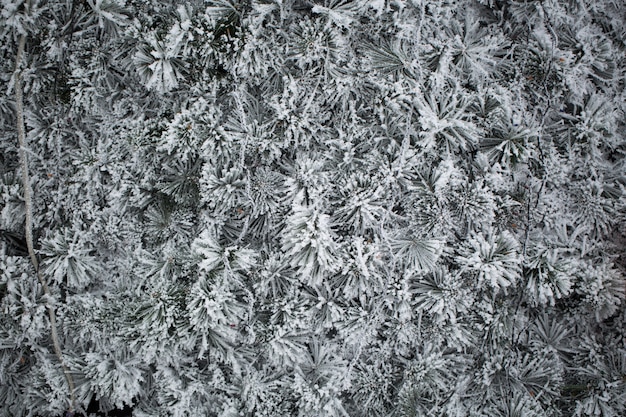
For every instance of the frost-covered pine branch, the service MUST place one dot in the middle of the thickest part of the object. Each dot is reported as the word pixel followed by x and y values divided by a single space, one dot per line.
pixel 28 202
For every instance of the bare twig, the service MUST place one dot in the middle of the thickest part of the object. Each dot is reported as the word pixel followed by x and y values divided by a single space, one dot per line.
pixel 21 135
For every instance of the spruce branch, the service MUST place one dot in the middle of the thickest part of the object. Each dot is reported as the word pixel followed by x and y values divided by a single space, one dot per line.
pixel 21 135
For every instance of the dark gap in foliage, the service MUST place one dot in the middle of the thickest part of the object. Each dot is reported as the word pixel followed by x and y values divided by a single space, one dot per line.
pixel 94 409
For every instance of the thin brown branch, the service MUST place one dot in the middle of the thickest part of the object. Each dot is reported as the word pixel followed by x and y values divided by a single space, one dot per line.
pixel 21 135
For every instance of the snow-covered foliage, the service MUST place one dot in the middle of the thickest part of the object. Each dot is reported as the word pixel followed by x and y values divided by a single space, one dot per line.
pixel 316 207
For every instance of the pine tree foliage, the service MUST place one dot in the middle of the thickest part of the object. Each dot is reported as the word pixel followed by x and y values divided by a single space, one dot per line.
pixel 316 208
